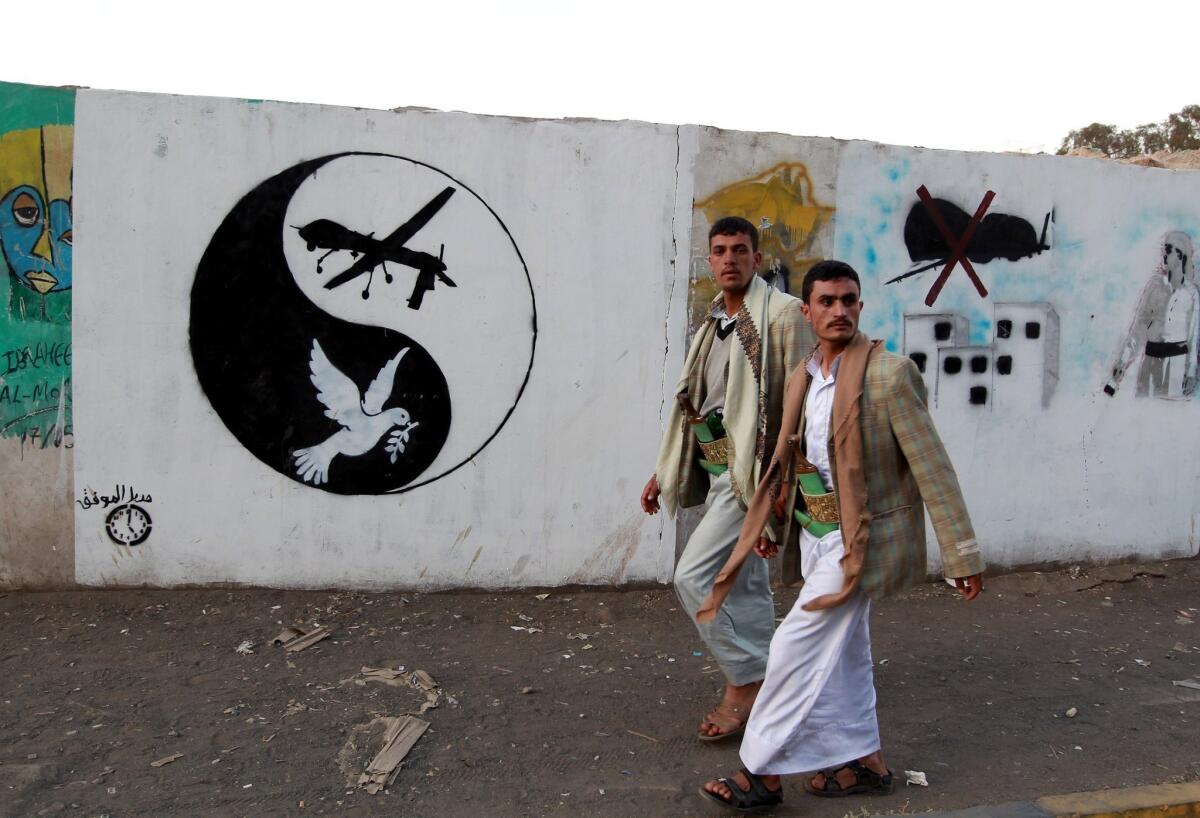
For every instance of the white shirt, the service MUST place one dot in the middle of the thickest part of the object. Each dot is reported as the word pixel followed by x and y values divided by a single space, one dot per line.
pixel 818 408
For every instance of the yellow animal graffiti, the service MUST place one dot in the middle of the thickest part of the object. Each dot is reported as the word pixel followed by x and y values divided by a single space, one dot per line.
pixel 781 203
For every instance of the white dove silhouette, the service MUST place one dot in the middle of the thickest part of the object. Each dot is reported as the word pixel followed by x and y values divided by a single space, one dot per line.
pixel 362 416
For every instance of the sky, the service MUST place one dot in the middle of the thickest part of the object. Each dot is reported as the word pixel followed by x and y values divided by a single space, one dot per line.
pixel 1015 75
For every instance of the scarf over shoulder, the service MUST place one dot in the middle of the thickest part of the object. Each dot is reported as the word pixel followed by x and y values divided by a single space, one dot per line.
pixel 746 394
pixel 849 477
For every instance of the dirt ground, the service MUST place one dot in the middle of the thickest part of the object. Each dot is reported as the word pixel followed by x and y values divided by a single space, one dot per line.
pixel 590 710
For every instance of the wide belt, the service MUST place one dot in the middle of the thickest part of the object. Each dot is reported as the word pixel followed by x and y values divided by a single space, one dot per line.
pixel 714 442
pixel 820 514
pixel 1166 349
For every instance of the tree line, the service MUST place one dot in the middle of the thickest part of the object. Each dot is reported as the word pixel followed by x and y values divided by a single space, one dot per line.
pixel 1178 132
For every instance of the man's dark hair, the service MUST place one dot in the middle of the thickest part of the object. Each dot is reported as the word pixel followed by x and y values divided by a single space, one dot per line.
pixel 827 271
pixel 731 226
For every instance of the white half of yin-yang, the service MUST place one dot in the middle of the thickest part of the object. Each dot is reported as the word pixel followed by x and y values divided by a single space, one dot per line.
pixel 479 332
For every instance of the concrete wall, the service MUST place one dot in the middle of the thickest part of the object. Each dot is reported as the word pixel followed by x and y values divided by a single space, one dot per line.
pixel 257 399
pixel 36 431
pixel 1070 441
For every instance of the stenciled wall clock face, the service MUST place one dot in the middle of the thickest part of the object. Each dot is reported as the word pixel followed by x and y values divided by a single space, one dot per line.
pixel 363 323
pixel 128 524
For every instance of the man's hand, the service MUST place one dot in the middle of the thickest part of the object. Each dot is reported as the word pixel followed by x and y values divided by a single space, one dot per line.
pixel 650 495
pixel 781 504
pixel 766 549
pixel 970 586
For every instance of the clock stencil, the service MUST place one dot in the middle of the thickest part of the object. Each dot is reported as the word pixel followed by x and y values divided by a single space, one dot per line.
pixel 128 524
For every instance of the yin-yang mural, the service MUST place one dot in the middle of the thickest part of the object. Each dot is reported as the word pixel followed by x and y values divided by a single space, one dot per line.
pixel 363 323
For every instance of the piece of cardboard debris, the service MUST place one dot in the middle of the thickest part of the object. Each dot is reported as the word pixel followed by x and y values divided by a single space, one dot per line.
pixel 398 740
pixel 245 648
pixel 166 760
pixel 1189 683
pixel 393 677
pixel 397 677
pixel 915 777
pixel 542 597
pixel 296 639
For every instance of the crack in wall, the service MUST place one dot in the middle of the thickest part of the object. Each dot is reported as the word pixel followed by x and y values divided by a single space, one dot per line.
pixel 662 524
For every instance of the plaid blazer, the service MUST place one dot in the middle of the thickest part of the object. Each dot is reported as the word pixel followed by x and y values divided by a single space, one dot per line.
pixel 791 341
pixel 907 469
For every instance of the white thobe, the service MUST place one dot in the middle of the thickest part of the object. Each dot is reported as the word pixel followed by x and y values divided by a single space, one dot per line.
pixel 816 708
pixel 1180 327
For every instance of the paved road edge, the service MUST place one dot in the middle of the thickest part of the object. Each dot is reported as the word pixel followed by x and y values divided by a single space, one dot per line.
pixel 1157 800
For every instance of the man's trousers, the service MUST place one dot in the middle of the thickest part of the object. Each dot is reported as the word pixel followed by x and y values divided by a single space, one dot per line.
pixel 740 634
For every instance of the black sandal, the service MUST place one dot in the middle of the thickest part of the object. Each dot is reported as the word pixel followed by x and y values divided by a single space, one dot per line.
pixel 755 799
pixel 867 782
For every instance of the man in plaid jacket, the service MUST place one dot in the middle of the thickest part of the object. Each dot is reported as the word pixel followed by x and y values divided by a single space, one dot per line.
pixel 816 708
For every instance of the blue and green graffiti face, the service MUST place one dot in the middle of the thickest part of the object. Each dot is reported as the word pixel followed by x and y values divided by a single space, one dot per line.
pixel 36 240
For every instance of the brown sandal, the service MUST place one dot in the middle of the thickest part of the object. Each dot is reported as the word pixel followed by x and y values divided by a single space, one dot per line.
pixel 726 713
pixel 866 782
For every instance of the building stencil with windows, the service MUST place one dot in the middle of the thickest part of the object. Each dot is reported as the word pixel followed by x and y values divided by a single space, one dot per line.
pixel 1018 370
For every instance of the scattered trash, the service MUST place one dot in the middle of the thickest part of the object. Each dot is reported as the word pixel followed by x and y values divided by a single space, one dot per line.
pixel 697 653
pixel 166 760
pixel 397 741
pixel 523 628
pixel 883 662
pixel 1189 683
pixel 578 636
pixel 527 690
pixel 640 735
pixel 397 677
pixel 1179 647
pixel 245 648
pixel 915 777
pixel 542 597
pixel 524 618
pixel 1072 713
pixel 1142 662
pixel 297 639
pixel 384 675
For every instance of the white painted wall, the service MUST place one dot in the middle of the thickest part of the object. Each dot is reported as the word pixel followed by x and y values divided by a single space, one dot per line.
pixel 610 220
pixel 1088 476
pixel 552 499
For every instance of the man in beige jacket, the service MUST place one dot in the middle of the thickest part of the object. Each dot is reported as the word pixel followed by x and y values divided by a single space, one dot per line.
pixel 734 376
pixel 857 433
